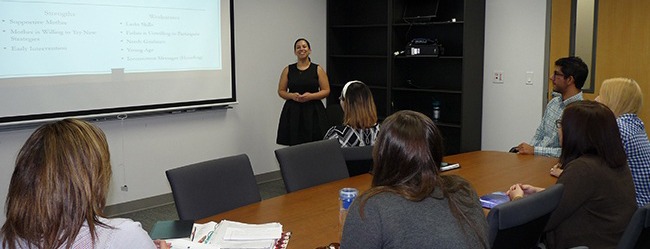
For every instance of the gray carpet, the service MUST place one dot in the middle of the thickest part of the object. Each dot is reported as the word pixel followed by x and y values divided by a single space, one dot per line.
pixel 168 212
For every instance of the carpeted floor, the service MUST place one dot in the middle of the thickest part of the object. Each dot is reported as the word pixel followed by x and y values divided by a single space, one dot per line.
pixel 168 212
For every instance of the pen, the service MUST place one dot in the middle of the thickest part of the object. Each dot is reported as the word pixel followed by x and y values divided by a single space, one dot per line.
pixel 209 236
pixel 202 239
pixel 193 232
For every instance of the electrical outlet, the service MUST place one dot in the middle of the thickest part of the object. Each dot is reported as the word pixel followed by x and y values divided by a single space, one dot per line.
pixel 497 77
pixel 125 188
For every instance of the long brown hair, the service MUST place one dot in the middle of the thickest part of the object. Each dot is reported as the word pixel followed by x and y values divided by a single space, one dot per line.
pixel 60 181
pixel 358 105
pixel 589 127
pixel 406 156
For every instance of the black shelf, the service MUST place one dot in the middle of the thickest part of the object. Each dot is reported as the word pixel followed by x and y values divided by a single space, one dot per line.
pixel 357 56
pixel 426 90
pixel 427 23
pixel 442 57
pixel 440 124
pixel 362 36
pixel 352 26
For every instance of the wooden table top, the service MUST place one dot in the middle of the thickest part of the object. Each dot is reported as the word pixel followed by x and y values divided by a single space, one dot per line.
pixel 312 214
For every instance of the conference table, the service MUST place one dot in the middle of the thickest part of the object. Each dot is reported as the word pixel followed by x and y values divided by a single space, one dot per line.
pixel 311 214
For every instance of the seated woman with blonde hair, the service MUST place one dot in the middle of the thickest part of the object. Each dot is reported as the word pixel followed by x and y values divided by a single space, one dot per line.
pixel 624 97
pixel 360 125
pixel 58 192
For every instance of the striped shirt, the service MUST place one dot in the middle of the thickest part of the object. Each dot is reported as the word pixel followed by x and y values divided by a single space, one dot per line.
pixel 122 233
pixel 350 137
pixel 546 140
pixel 637 148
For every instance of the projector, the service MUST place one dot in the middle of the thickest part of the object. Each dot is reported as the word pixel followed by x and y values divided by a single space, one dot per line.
pixel 423 46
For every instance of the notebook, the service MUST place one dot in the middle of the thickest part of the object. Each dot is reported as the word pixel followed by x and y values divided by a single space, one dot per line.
pixel 230 235
pixel 494 199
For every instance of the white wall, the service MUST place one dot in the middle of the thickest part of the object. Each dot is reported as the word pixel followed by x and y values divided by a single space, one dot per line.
pixel 515 42
pixel 143 148
pixel 265 32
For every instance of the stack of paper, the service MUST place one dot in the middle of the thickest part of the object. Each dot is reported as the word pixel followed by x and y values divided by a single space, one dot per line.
pixel 231 235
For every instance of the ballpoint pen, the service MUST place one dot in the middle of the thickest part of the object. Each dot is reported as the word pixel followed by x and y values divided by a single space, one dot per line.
pixel 208 238
pixel 193 233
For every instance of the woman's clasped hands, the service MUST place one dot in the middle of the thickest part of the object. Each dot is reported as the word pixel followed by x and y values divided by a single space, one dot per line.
pixel 519 190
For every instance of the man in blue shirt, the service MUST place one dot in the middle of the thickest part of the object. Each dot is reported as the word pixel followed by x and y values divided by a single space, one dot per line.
pixel 568 78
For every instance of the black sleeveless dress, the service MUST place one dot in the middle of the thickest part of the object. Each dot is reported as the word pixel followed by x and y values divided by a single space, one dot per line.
pixel 302 122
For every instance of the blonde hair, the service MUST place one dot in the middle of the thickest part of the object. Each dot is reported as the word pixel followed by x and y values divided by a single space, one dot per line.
pixel 60 182
pixel 359 109
pixel 621 95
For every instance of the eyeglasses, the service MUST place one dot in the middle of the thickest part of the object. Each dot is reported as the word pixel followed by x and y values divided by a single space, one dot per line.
pixel 556 74
pixel 558 123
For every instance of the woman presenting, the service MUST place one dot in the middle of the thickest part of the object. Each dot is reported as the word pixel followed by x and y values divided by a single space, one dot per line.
pixel 303 85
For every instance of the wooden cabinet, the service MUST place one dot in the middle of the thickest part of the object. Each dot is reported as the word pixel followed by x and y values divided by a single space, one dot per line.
pixel 365 40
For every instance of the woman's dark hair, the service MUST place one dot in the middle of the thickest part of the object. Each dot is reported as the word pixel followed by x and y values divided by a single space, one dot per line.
pixel 301 39
pixel 359 109
pixel 589 128
pixel 573 66
pixel 306 41
pixel 406 156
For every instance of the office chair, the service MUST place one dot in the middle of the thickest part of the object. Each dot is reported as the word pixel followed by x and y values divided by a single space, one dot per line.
pixel 358 159
pixel 520 224
pixel 211 187
pixel 637 233
pixel 310 164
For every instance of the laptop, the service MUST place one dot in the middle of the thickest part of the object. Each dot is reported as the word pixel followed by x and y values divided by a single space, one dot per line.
pixel 423 11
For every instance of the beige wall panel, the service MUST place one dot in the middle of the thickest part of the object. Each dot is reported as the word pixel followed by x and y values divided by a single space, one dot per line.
pixel 623 45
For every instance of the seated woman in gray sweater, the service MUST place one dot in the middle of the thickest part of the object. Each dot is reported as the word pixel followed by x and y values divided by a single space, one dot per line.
pixel 410 205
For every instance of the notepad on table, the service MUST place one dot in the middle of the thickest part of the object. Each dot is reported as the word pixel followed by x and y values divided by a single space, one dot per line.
pixel 229 235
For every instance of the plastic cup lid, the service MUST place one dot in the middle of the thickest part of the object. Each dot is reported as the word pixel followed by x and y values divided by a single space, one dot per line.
pixel 347 193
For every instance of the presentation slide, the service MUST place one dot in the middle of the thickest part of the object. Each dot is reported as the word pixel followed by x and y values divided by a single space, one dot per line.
pixel 67 57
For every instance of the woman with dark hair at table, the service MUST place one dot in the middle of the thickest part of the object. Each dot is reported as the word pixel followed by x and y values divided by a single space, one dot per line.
pixel 360 125
pixel 410 205
pixel 598 199
pixel 58 192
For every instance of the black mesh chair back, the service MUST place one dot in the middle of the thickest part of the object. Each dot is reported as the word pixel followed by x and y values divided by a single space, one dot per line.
pixel 637 233
pixel 520 224
pixel 211 187
pixel 358 159
pixel 310 164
